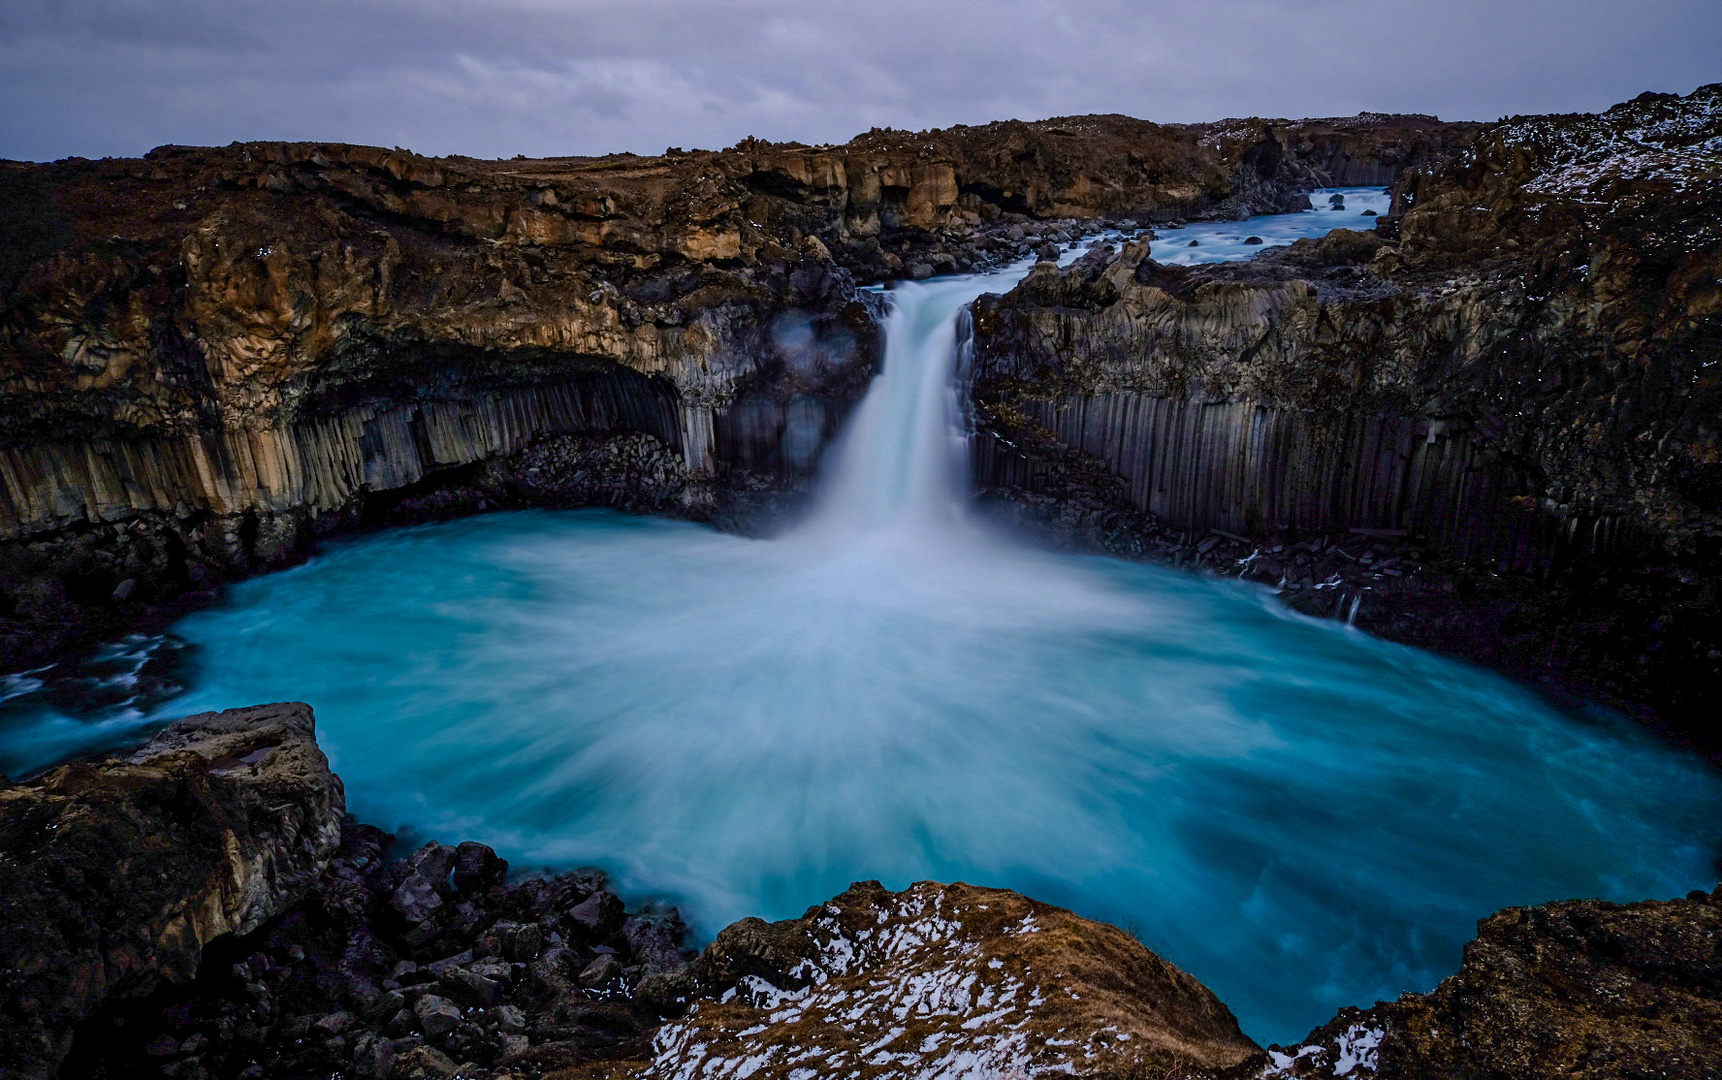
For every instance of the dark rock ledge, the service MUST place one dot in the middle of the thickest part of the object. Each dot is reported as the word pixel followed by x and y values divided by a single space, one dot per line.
pixel 203 908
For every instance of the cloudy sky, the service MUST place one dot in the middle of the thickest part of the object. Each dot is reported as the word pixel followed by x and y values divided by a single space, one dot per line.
pixel 495 78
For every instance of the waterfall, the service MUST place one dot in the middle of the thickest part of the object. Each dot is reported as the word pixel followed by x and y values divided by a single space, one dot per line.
pixel 901 465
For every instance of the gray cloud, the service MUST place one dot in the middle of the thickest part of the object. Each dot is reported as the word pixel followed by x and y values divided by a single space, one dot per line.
pixel 499 77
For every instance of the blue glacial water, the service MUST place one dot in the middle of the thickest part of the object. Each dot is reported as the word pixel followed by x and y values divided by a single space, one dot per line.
pixel 1300 815
pixel 1223 241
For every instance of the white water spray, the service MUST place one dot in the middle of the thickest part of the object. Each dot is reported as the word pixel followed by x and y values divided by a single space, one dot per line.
pixel 901 464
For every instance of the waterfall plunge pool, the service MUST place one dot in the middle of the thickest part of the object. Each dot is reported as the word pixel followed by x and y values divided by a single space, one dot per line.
pixel 1301 816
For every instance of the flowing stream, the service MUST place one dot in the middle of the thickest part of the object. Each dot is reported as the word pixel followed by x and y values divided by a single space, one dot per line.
pixel 1300 815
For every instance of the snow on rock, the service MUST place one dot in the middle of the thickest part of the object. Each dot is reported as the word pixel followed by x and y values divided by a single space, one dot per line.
pixel 940 981
pixel 1654 137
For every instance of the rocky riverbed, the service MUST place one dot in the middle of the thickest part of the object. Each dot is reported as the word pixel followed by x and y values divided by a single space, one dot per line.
pixel 201 908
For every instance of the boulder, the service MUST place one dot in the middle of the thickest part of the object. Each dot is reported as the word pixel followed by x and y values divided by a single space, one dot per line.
pixel 604 969
pixel 942 980
pixel 477 868
pixel 424 1063
pixel 119 871
pixel 599 915
pixel 436 1015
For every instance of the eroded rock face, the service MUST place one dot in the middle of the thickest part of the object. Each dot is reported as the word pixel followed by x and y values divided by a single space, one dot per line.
pixel 210 357
pixel 940 981
pixel 1513 375
pixel 116 874
pixel 1575 990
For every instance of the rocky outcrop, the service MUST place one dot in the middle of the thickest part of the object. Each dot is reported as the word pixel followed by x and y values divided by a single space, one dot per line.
pixel 431 965
pixel 1366 150
pixel 117 874
pixel 1514 377
pixel 1575 990
pixel 940 981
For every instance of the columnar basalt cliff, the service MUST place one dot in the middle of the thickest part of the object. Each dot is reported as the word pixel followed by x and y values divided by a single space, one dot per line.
pixel 208 357
pixel 1515 377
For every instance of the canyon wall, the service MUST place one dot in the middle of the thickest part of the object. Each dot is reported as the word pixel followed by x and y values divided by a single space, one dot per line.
pixel 211 356
pixel 1516 376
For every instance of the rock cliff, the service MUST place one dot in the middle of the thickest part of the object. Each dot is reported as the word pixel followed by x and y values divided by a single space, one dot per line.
pixel 1576 990
pixel 1513 378
pixel 209 357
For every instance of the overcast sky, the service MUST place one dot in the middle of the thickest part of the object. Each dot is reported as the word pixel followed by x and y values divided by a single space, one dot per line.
pixel 495 78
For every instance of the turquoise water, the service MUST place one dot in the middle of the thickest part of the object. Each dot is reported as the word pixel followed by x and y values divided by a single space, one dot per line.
pixel 1301 816
pixel 1223 241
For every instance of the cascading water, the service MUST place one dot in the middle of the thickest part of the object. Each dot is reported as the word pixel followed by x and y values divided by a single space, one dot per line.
pixel 902 463
pixel 1301 816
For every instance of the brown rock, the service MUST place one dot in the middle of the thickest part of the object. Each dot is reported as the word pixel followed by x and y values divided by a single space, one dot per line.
pixel 117 872
pixel 1581 990
pixel 941 978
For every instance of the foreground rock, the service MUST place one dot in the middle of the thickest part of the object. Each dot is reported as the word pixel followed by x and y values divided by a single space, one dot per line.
pixel 116 874
pixel 940 981
pixel 1583 990
pixel 201 910
pixel 419 967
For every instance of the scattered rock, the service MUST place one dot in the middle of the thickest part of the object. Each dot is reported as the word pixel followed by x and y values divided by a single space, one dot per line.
pixel 436 1016
pixel 605 969
pixel 1252 239
pixel 424 1063
pixel 599 915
